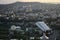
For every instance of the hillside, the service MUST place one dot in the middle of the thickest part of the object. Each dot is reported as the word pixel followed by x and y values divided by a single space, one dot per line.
pixel 34 5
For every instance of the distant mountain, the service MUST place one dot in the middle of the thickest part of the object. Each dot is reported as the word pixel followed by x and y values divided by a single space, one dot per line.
pixel 34 5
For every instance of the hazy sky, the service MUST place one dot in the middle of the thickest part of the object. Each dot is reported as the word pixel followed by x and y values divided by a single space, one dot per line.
pixel 43 1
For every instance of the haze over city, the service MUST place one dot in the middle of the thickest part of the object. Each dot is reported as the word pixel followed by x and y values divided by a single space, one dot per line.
pixel 42 1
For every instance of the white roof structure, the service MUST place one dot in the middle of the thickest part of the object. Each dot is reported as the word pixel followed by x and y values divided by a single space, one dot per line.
pixel 42 26
pixel 13 27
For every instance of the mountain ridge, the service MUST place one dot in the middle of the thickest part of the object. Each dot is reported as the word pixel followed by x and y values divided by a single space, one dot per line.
pixel 34 5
